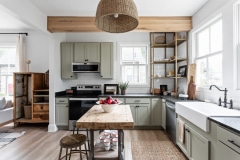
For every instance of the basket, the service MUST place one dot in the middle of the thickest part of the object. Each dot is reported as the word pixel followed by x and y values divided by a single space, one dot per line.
pixel 28 112
pixel 160 40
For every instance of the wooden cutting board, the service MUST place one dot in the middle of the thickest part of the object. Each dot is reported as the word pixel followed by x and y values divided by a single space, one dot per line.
pixel 191 84
pixel 191 72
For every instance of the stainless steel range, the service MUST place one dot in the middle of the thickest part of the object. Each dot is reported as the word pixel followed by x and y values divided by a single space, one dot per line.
pixel 84 97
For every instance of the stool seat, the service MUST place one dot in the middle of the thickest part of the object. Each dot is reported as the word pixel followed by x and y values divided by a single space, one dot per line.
pixel 72 141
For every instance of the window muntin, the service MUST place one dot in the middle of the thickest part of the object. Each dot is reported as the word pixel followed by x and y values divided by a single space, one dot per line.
pixel 134 63
pixel 209 54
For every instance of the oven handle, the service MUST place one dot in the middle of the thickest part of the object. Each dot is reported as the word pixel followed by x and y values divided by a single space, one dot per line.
pixel 83 99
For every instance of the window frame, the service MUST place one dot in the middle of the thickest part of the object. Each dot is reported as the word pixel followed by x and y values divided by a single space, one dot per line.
pixel 10 45
pixel 196 56
pixel 134 44
pixel 236 42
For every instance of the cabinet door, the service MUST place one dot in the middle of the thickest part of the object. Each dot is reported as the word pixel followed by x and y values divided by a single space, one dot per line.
pixel 225 152
pixel 79 52
pixel 93 52
pixel 66 61
pixel 198 145
pixel 106 60
pixel 163 114
pixel 62 114
pixel 133 110
pixel 156 112
pixel 183 146
pixel 143 114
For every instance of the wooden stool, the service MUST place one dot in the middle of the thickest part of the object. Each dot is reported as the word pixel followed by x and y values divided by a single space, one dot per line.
pixel 73 141
pixel 75 129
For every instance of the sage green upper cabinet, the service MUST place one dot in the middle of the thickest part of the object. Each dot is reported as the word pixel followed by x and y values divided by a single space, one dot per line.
pixel 86 52
pixel 66 61
pixel 106 70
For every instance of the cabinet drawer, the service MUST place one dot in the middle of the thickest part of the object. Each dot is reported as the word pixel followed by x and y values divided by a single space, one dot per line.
pixel 61 100
pixel 137 100
pixel 40 116
pixel 40 108
pixel 229 138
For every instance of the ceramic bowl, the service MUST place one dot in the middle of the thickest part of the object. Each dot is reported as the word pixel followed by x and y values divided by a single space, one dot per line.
pixel 109 107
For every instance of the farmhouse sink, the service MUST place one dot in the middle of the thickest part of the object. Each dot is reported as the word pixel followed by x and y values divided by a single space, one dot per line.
pixel 198 112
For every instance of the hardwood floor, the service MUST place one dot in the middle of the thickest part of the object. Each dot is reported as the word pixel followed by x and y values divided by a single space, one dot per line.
pixel 38 144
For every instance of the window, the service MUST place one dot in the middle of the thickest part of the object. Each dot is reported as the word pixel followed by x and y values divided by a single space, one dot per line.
pixel 134 63
pixel 7 67
pixel 209 54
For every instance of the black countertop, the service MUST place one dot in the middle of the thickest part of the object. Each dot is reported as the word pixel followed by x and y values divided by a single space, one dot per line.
pixel 132 95
pixel 137 95
pixel 232 123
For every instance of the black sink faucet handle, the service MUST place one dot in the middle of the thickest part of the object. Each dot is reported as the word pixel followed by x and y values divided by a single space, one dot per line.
pixel 219 101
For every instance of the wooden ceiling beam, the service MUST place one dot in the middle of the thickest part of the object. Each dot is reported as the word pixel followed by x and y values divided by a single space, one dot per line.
pixel 146 24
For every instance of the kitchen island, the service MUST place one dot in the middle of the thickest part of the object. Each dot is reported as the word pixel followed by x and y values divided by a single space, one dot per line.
pixel 96 119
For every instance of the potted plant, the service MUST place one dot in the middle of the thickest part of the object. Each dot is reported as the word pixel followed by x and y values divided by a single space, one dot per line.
pixel 123 86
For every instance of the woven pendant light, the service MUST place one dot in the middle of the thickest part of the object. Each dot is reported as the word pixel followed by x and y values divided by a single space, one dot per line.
pixel 116 16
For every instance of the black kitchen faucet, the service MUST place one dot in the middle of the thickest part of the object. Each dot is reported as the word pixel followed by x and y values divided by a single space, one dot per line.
pixel 225 97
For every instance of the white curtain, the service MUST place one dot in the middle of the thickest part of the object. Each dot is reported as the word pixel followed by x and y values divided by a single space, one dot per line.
pixel 20 65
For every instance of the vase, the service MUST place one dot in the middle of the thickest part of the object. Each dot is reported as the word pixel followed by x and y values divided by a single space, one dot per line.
pixel 123 92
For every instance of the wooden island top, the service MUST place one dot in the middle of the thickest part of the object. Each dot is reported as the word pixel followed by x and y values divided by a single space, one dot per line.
pixel 96 118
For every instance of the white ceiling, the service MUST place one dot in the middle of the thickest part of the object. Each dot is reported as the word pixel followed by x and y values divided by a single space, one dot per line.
pixel 88 8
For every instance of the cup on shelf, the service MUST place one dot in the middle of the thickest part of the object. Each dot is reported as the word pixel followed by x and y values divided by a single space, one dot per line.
pixel 102 138
pixel 114 134
pixel 115 141
pixel 107 134
pixel 106 142
pixel 107 148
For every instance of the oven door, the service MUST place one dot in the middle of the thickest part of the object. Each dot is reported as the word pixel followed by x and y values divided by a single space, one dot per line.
pixel 78 107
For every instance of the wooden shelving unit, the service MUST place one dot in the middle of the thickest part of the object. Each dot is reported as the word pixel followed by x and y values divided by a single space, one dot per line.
pixel 31 89
pixel 169 47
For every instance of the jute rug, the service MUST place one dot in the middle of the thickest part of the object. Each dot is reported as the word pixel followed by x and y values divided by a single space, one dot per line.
pixel 155 150
pixel 8 137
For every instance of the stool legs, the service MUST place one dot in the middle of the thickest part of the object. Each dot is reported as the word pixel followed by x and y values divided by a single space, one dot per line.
pixel 71 151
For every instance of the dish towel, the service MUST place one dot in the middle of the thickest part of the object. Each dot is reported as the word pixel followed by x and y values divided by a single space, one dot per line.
pixel 181 129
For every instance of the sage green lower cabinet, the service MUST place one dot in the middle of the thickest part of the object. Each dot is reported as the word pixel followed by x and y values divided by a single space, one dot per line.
pixel 156 112
pixel 183 146
pixel 106 70
pixel 164 114
pixel 195 146
pixel 228 144
pixel 140 108
pixel 61 111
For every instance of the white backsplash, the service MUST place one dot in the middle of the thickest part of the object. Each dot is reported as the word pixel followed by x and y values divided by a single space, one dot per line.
pixel 204 94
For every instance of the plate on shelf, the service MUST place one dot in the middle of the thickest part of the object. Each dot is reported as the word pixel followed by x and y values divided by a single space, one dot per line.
pixel 165 59
pixel 169 76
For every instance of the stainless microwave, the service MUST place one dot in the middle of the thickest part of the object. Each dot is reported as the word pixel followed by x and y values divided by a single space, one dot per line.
pixel 86 67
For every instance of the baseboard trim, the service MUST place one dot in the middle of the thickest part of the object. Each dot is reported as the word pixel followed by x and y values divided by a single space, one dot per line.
pixel 52 128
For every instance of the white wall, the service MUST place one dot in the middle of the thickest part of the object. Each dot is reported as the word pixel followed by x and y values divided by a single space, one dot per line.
pixel 210 10
pixel 94 78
